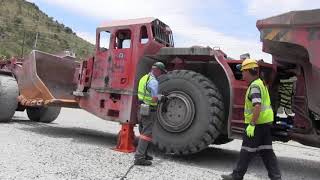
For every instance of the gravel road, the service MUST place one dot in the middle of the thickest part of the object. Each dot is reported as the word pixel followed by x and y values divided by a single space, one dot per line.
pixel 79 146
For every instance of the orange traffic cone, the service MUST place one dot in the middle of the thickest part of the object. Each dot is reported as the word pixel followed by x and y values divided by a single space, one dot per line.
pixel 126 139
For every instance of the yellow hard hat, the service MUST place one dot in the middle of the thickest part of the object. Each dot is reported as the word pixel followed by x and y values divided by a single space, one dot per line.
pixel 249 64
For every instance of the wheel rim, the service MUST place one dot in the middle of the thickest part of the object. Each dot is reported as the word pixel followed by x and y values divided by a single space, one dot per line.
pixel 180 112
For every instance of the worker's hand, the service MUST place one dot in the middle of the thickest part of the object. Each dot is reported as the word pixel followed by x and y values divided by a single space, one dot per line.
pixel 164 107
pixel 162 98
pixel 250 130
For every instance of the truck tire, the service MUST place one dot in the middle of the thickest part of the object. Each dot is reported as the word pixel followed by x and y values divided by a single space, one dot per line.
pixel 8 97
pixel 43 114
pixel 194 116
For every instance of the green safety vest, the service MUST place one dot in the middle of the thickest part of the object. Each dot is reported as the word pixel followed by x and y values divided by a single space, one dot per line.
pixel 266 114
pixel 144 93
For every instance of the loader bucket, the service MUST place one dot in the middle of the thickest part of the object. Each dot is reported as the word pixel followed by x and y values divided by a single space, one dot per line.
pixel 47 77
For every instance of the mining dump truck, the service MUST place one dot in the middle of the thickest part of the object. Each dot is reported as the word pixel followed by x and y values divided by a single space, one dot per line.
pixel 206 88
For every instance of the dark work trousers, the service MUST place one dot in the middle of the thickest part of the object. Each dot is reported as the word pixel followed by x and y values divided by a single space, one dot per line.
pixel 145 135
pixel 260 144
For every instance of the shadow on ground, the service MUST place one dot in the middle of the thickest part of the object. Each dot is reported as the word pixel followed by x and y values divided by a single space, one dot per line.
pixel 79 135
pixel 224 160
pixel 216 158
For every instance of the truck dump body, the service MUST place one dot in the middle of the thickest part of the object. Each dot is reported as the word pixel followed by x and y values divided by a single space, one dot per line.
pixel 293 40
pixel 299 28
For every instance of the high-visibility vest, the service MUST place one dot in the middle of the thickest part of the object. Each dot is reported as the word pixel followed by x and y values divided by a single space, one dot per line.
pixel 144 93
pixel 266 113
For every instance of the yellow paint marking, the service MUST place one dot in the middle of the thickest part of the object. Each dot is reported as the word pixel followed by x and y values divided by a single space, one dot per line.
pixel 272 34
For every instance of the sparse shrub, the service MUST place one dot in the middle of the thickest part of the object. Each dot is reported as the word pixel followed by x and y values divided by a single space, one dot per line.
pixel 68 30
pixel 18 20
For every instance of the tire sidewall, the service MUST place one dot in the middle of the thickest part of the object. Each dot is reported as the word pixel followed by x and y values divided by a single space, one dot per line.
pixel 194 133
pixel 8 97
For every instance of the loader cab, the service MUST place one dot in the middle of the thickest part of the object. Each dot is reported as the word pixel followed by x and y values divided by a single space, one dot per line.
pixel 121 44
pixel 118 35
pixel 110 77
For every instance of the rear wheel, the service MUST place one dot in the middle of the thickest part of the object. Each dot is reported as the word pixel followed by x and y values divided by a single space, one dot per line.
pixel 43 114
pixel 8 97
pixel 194 115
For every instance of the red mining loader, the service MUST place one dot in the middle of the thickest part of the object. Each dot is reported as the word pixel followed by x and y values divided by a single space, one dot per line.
pixel 206 87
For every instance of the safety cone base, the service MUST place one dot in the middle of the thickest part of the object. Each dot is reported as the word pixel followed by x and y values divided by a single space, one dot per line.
pixel 125 139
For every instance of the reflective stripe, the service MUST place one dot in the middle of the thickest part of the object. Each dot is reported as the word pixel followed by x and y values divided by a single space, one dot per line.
pixel 262 147
pixel 255 90
pixel 266 113
pixel 263 108
pixel 145 99
pixel 256 100
pixel 146 138
pixel 143 92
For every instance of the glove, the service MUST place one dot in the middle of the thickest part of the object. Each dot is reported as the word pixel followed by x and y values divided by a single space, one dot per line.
pixel 164 107
pixel 250 130
pixel 162 98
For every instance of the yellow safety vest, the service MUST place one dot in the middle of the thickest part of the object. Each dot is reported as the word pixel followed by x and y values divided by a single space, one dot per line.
pixel 144 93
pixel 266 114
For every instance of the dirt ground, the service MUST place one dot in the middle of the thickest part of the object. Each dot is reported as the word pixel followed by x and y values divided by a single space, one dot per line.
pixel 79 146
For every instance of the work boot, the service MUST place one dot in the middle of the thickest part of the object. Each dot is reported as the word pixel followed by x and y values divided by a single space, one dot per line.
pixel 149 158
pixel 281 113
pixel 142 162
pixel 228 177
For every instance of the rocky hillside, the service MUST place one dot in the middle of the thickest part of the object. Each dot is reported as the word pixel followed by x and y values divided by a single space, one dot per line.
pixel 23 27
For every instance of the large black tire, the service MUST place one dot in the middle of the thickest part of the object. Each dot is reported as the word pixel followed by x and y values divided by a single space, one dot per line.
pixel 8 97
pixel 195 113
pixel 43 114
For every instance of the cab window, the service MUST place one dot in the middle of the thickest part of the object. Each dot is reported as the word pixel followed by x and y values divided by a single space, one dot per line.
pixel 104 40
pixel 144 35
pixel 123 39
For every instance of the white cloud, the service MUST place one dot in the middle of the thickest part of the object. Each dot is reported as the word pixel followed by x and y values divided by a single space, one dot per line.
pixel 178 14
pixel 124 9
pixel 266 8
pixel 205 36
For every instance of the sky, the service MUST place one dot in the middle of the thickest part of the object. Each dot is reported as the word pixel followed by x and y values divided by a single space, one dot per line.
pixel 227 24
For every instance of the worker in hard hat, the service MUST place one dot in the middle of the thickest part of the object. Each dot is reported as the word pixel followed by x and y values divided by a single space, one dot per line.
pixel 258 118
pixel 148 98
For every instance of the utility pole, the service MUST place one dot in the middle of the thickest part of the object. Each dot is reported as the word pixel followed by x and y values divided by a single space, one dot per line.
pixel 35 42
pixel 24 36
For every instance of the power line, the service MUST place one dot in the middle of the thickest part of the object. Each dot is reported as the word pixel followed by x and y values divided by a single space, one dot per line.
pixel 33 20
pixel 24 35
pixel 41 37
pixel 35 27
pixel 43 23
pixel 71 42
